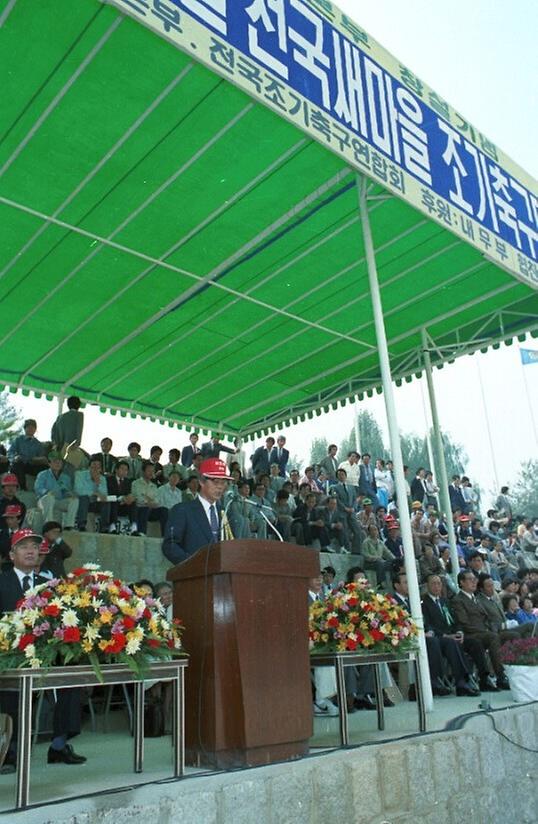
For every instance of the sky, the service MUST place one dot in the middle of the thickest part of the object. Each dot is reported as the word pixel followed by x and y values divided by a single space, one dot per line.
pixel 481 56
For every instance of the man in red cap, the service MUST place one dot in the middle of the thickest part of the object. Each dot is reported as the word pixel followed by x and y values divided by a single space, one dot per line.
pixel 11 521
pixel 14 583
pixel 194 524
pixel 10 486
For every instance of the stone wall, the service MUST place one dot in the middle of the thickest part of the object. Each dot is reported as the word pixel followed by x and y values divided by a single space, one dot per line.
pixel 466 775
pixel 134 558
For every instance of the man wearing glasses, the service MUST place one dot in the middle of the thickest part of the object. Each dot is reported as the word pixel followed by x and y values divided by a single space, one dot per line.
pixel 194 524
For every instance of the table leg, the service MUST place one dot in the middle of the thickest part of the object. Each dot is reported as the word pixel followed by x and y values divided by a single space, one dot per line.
pixel 138 725
pixel 420 697
pixel 379 698
pixel 24 742
pixel 342 703
pixel 178 723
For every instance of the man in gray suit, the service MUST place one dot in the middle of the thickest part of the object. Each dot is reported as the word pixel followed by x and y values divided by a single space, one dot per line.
pixel 329 463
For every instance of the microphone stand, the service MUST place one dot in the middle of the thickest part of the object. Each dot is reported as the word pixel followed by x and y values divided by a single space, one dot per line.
pixel 261 507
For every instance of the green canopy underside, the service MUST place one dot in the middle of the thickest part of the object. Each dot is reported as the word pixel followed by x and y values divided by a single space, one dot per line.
pixel 219 278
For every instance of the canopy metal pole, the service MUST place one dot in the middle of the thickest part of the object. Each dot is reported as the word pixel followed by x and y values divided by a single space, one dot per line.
pixel 357 433
pixel 440 456
pixel 394 436
pixel 61 398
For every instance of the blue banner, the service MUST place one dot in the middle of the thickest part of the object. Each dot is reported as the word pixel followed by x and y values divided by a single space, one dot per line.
pixel 313 65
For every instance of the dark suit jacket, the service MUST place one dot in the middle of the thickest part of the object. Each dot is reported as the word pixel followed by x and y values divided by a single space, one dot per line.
pixel 261 461
pixel 209 450
pixel 11 590
pixel 434 620
pixel 493 610
pixel 367 487
pixel 119 488
pixel 418 490
pixel 187 454
pixel 470 616
pixel 282 461
pixel 187 531
pixel 457 501
pixel 108 462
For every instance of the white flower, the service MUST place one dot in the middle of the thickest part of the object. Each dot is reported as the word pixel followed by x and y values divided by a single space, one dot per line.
pixel 69 618
pixel 16 640
pixel 35 663
pixel 164 624
pixel 132 646
pixel 91 633
pixel 31 616
pixel 96 603
pixel 94 568
pixel 29 651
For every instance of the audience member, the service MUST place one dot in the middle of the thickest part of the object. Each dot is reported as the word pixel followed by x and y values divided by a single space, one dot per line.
pixel 67 428
pixel 27 454
pixel 55 494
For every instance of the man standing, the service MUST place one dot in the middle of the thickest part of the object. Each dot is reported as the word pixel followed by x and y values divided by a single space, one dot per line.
pixel 352 468
pixel 213 448
pixel 27 454
pixel 188 452
pixel 67 428
pixel 108 461
pixel 329 463
pixel 195 524
pixel 261 458
pixel 14 583
pixel 280 455
pixel 367 484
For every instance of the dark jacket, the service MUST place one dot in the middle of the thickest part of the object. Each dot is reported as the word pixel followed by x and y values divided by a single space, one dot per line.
pixel 187 531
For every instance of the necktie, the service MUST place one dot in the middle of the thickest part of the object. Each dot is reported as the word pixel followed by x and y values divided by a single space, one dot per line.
pixel 26 583
pixel 214 523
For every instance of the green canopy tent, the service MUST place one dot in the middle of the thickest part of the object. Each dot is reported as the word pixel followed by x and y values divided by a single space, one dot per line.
pixel 176 243
pixel 173 249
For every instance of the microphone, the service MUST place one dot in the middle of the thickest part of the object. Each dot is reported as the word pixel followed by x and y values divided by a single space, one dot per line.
pixel 261 507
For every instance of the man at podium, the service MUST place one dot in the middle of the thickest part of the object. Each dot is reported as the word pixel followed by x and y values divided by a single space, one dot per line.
pixel 194 524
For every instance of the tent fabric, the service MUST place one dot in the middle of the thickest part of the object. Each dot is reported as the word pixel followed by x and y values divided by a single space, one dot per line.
pixel 170 248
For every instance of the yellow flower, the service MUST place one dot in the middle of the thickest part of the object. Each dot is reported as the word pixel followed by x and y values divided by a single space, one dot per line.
pixel 84 600
pixel 103 645
pixel 106 617
pixel 87 646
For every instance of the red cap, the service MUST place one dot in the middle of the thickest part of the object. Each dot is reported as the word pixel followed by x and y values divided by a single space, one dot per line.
pixel 213 468
pixel 12 511
pixel 21 534
pixel 44 547
pixel 464 518
pixel 8 480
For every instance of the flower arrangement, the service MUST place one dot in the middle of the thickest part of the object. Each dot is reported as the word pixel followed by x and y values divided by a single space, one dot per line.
pixel 89 616
pixel 522 652
pixel 355 618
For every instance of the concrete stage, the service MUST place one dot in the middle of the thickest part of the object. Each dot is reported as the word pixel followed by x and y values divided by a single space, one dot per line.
pixel 446 776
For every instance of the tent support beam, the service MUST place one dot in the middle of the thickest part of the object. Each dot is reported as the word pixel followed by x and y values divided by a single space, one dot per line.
pixel 394 436
pixel 440 459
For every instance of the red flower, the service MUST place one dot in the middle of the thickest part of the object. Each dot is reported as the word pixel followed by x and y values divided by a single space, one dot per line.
pixel 26 640
pixel 119 643
pixel 377 635
pixel 351 644
pixel 125 593
pixel 352 602
pixel 332 622
pixel 52 610
pixel 147 613
pixel 152 642
pixel 79 571
pixel 171 643
pixel 128 622
pixel 71 635
pixel 47 593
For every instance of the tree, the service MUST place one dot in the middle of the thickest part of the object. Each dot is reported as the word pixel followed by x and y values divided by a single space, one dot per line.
pixel 524 492
pixel 295 463
pixel 10 420
pixel 318 450
pixel 370 435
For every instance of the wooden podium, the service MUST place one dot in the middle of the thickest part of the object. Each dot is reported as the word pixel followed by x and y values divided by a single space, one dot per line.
pixel 248 699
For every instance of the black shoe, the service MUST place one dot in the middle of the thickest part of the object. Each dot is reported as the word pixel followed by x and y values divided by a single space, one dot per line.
pixel 10 764
pixel 438 688
pixel 412 693
pixel 488 686
pixel 65 756
pixel 365 703
pixel 80 528
pixel 387 702
pixel 465 691
pixel 502 683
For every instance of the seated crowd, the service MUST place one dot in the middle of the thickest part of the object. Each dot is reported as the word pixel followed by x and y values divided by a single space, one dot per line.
pixel 340 506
